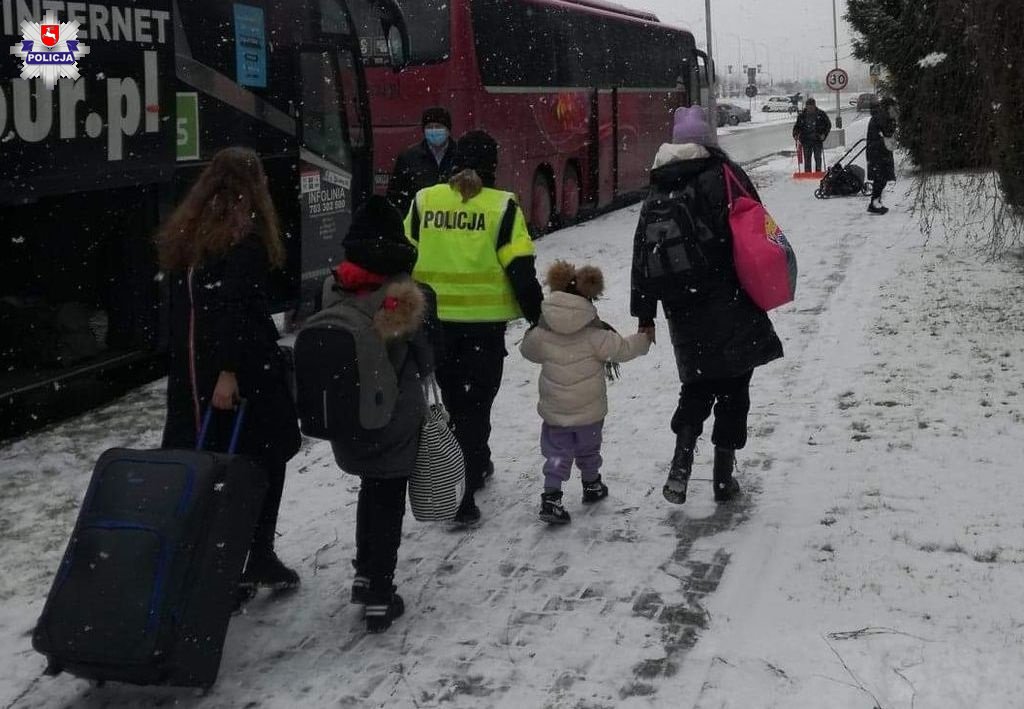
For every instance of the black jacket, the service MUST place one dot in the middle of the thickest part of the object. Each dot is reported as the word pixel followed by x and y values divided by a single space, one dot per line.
pixel 225 303
pixel 810 129
pixel 717 330
pixel 881 164
pixel 415 169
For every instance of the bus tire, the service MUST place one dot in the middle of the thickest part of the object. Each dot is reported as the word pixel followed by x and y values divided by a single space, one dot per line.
pixel 542 204
pixel 571 194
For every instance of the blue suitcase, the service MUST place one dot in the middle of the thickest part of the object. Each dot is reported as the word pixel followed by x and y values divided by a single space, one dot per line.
pixel 150 576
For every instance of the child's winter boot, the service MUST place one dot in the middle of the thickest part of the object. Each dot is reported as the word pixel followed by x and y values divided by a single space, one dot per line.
pixel 551 510
pixel 726 487
pixel 382 609
pixel 682 465
pixel 594 490
pixel 360 587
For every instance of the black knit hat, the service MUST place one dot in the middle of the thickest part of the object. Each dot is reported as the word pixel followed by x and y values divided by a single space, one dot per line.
pixel 436 114
pixel 477 151
pixel 376 240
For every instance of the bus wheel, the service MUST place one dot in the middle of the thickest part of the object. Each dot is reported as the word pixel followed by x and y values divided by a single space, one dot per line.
pixel 570 194
pixel 541 205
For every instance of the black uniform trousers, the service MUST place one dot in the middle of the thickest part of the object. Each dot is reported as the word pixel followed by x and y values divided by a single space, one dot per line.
pixel 730 398
pixel 379 514
pixel 469 375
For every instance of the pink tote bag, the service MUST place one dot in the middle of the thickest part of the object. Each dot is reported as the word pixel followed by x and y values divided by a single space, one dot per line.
pixel 765 262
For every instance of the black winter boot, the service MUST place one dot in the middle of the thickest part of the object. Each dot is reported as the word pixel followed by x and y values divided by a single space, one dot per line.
pixel 264 570
pixel 382 609
pixel 682 465
pixel 726 487
pixel 468 513
pixel 360 587
pixel 594 491
pixel 876 207
pixel 551 510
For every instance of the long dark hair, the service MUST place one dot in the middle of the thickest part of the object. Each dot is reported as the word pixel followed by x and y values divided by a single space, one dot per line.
pixel 228 201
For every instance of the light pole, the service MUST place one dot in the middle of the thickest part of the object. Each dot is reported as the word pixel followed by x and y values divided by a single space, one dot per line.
pixel 711 54
pixel 835 44
pixel 768 61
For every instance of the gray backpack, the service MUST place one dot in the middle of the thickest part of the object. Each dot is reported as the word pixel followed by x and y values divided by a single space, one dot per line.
pixel 346 382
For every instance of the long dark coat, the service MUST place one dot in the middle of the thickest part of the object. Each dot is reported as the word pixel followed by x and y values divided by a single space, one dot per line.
pixel 220 321
pixel 415 169
pixel 717 331
pixel 881 164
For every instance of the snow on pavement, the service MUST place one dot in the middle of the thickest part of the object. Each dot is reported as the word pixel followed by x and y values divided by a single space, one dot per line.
pixel 876 557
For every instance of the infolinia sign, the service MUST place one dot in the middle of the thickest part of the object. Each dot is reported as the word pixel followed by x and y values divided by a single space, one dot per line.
pixel 49 50
pixel 109 88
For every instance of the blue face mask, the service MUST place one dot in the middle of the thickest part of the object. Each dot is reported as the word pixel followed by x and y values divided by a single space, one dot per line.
pixel 436 137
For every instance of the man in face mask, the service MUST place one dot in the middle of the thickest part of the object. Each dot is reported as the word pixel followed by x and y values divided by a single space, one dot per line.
pixel 425 164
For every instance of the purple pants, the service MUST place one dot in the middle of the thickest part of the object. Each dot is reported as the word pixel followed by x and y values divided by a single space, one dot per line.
pixel 562 445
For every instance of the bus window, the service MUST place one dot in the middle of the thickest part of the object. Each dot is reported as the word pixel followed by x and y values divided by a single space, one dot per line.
pixel 349 84
pixel 323 129
pixel 429 23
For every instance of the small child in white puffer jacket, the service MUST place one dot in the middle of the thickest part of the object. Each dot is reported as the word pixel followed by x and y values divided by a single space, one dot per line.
pixel 574 346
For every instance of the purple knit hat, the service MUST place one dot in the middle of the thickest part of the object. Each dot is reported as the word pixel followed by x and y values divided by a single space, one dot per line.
pixel 692 127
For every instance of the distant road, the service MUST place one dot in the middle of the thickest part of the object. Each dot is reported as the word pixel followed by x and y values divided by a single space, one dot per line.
pixel 761 141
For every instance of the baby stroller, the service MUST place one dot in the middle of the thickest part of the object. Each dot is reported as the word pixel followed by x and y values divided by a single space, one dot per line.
pixel 845 180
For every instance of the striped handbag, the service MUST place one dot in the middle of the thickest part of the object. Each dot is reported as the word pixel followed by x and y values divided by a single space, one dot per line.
pixel 438 480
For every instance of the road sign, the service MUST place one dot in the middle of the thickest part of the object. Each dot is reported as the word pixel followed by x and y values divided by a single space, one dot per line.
pixel 837 79
pixel 751 91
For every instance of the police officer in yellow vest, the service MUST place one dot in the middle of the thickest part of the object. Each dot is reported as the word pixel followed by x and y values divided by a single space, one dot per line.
pixel 477 255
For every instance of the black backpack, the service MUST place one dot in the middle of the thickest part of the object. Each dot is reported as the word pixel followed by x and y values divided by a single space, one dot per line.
pixel 675 248
pixel 346 383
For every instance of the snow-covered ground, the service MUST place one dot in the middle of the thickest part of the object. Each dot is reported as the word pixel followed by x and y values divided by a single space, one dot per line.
pixel 877 558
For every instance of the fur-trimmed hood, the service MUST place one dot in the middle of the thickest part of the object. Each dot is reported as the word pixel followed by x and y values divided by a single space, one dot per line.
pixel 401 313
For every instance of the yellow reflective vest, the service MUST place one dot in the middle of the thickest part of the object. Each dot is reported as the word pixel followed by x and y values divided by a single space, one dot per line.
pixel 464 248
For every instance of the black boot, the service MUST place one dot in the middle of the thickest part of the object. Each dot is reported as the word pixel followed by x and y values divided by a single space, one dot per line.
pixel 682 465
pixel 726 487
pixel 594 490
pixel 360 587
pixel 468 513
pixel 551 510
pixel 876 207
pixel 264 570
pixel 382 609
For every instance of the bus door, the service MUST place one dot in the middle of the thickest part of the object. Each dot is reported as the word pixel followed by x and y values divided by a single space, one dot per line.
pixel 705 83
pixel 333 153
pixel 602 154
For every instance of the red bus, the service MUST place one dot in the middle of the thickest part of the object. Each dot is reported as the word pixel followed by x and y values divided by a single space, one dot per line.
pixel 578 93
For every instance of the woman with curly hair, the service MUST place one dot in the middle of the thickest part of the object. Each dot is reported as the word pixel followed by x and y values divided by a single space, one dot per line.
pixel 217 250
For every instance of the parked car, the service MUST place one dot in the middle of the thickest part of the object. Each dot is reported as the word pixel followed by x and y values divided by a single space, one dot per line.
pixel 729 114
pixel 779 104
pixel 864 102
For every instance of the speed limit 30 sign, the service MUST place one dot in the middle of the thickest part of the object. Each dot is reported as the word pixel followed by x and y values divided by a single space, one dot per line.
pixel 837 79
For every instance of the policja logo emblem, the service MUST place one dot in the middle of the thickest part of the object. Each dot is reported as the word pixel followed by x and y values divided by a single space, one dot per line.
pixel 50 50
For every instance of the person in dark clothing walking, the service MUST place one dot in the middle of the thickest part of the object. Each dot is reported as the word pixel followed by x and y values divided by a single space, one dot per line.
pixel 217 250
pixel 378 256
pixel 718 334
pixel 881 142
pixel 811 129
pixel 425 164
pixel 476 253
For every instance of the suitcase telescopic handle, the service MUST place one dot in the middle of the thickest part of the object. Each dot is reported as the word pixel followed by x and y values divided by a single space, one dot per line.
pixel 236 429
